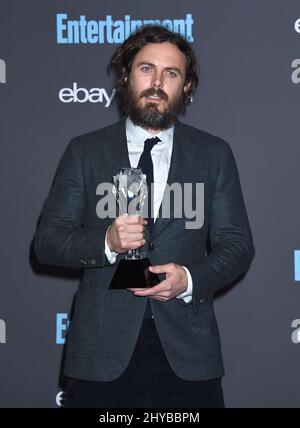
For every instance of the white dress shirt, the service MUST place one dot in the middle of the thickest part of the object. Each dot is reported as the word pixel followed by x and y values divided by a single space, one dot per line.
pixel 161 157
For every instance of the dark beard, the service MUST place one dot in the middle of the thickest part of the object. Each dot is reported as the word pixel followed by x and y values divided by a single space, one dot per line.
pixel 149 116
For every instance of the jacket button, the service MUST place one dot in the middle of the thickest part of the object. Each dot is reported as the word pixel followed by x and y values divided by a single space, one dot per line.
pixel 151 246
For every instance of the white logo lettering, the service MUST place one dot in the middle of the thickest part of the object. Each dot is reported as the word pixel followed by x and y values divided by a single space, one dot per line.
pixel 2 331
pixel 296 72
pixel 60 398
pixel 2 71
pixel 83 95
pixel 296 332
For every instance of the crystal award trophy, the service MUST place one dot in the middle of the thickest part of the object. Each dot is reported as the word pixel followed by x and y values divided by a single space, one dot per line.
pixel 131 193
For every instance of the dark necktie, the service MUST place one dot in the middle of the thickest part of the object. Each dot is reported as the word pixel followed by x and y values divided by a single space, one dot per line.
pixel 146 165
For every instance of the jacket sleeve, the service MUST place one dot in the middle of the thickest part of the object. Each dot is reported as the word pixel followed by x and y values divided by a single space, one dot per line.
pixel 230 236
pixel 61 239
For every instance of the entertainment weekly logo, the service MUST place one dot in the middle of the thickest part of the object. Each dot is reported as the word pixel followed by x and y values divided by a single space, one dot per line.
pixel 296 265
pixel 110 31
pixel 62 327
pixel 296 62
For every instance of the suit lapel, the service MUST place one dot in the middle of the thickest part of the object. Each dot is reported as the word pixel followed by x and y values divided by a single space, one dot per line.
pixel 182 169
pixel 115 148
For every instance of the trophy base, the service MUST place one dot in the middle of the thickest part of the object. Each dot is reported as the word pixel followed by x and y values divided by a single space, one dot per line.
pixel 133 274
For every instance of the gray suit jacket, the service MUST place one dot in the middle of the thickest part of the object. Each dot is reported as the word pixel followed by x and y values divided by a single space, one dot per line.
pixel 106 323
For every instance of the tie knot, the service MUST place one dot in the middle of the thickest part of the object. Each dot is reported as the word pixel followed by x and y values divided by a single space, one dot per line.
pixel 150 143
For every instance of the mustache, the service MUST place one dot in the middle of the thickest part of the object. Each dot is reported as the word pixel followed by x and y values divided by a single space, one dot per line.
pixel 152 91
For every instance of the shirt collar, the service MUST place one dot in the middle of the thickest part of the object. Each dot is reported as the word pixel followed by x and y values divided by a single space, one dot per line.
pixel 137 135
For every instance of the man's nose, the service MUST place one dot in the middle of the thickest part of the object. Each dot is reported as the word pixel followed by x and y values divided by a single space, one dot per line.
pixel 157 81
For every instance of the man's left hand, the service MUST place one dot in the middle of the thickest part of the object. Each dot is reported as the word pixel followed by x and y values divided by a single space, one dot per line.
pixel 176 282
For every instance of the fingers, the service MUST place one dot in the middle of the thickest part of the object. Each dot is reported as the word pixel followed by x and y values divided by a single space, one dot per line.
pixel 167 268
pixel 126 233
pixel 134 236
pixel 123 243
pixel 161 299
pixel 173 285
pixel 130 219
pixel 164 286
pixel 132 228
pixel 132 245
pixel 163 296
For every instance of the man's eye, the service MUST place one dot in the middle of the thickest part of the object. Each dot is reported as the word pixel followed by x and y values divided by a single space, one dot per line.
pixel 146 69
pixel 172 73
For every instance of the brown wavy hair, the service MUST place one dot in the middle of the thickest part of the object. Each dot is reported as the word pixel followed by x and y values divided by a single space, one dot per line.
pixel 123 57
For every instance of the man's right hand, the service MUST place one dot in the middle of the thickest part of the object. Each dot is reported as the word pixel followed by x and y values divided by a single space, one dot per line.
pixel 126 233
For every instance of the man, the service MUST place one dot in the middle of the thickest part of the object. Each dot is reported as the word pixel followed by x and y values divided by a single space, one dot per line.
pixel 117 354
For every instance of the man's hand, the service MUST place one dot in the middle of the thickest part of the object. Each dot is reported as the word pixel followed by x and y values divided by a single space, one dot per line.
pixel 126 233
pixel 176 282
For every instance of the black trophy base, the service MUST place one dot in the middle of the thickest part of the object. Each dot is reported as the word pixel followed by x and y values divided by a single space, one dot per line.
pixel 133 274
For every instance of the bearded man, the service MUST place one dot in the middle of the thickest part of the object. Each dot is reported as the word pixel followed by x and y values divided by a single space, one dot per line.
pixel 157 346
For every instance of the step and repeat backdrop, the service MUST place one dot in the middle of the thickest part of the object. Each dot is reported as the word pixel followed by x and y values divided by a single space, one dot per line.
pixel 54 85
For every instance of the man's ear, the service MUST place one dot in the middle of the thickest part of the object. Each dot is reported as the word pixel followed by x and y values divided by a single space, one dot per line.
pixel 186 87
pixel 124 74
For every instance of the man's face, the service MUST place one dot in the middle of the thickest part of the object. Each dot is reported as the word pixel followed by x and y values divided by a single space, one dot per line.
pixel 156 85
